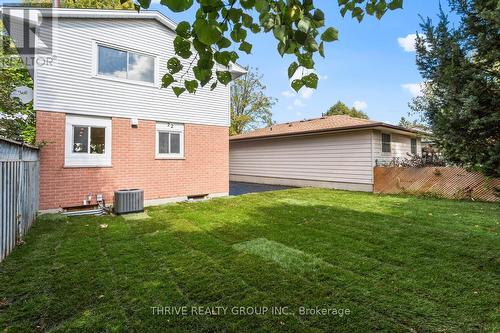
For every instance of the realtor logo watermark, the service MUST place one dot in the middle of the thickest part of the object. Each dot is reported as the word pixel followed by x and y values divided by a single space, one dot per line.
pixel 27 35
pixel 248 311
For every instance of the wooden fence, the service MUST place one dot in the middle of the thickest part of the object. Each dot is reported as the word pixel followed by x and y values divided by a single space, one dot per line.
pixel 19 192
pixel 448 182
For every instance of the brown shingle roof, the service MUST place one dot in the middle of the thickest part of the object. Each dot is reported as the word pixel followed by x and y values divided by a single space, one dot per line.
pixel 323 124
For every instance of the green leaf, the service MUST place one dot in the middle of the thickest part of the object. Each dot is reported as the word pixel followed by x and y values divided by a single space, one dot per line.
pixel 174 65
pixel 167 80
pixel 330 35
pixel 247 20
pixel 207 33
pixel 292 69
pixel 370 8
pixel 281 48
pixel 224 77
pixel 238 34
pixel 395 4
pixel 300 37
pixel 182 29
pixel 279 32
pixel 235 14
pixel 304 25
pixel 223 43
pixel 145 3
pixel 297 84
pixel 182 47
pixel 343 11
pixel 343 2
pixel 292 13
pixel 358 14
pixel 246 47
pixel 191 85
pixel 321 49
pixel 202 75
pixel 311 45
pixel 178 90
pixel 205 62
pixel 310 81
pixel 177 5
pixel 247 4
pixel 262 6
pixel 255 28
pixel 223 57
pixel 266 21
pixel 318 19
pixel 305 60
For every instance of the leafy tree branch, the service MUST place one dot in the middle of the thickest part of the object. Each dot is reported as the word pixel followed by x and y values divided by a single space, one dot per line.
pixel 298 27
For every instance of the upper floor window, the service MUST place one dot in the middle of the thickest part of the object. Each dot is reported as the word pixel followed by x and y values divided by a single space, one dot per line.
pixel 386 143
pixel 88 141
pixel 126 65
pixel 413 145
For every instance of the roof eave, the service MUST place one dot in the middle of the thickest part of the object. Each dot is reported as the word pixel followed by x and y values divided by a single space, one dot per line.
pixel 330 130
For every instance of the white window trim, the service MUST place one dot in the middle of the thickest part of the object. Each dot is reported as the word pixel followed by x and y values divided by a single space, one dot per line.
pixel 416 146
pixel 72 159
pixel 169 128
pixel 382 143
pixel 95 65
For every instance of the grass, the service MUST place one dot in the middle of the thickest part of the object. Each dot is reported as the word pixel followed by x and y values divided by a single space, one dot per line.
pixel 396 263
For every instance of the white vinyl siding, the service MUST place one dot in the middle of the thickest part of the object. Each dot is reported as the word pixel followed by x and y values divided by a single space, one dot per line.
pixel 69 84
pixel 343 157
pixel 400 146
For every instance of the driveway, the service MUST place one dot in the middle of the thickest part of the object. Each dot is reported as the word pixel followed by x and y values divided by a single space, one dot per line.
pixel 239 188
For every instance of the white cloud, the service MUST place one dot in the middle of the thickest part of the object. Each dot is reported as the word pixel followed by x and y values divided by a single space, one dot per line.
pixel 306 92
pixel 415 89
pixel 289 107
pixel 360 105
pixel 287 93
pixel 298 102
pixel 408 42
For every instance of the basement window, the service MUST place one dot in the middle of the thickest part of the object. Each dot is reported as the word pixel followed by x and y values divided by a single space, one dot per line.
pixel 169 141
pixel 88 141
pixel 386 143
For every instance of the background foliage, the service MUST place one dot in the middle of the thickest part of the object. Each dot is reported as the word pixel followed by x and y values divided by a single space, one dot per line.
pixel 250 107
pixel 17 121
pixel 461 69
pixel 340 108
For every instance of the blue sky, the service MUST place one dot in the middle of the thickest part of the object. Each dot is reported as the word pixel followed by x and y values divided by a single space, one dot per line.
pixel 366 66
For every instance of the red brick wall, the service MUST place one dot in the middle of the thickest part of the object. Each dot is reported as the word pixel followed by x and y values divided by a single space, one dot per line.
pixel 205 168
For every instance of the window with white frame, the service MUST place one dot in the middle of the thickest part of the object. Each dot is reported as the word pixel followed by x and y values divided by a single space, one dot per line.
pixel 123 64
pixel 88 141
pixel 386 143
pixel 169 140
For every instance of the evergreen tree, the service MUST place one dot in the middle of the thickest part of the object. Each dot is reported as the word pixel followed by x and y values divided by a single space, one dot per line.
pixel 461 95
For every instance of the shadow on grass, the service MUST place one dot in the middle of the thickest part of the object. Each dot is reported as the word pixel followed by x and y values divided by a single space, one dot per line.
pixel 386 259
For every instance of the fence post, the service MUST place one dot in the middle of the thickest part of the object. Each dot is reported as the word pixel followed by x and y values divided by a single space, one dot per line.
pixel 19 192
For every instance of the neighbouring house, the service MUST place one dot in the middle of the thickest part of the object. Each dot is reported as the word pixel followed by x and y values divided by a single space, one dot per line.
pixel 107 124
pixel 332 151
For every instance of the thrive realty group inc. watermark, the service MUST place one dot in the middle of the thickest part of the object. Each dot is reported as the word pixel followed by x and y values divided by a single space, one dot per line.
pixel 248 311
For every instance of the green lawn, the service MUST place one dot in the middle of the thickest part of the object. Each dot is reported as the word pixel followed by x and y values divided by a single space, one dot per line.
pixel 394 263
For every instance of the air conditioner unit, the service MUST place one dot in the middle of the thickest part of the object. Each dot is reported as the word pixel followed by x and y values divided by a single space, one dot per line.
pixel 129 201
